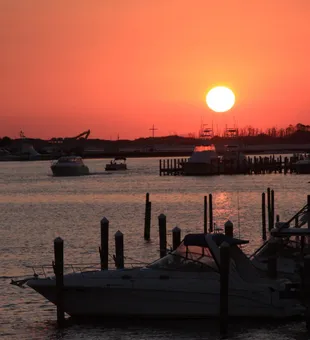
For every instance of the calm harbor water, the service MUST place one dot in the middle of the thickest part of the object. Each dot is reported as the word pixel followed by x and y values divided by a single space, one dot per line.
pixel 36 207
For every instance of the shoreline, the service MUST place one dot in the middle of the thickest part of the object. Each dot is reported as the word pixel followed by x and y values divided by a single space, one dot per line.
pixel 153 154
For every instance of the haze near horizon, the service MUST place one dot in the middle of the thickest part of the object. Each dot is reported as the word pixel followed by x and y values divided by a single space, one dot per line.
pixel 118 66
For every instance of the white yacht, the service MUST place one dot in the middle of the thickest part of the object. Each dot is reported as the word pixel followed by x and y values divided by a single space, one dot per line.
pixel 303 165
pixel 289 244
pixel 119 163
pixel 184 283
pixel 6 155
pixel 203 161
pixel 69 166
pixel 234 159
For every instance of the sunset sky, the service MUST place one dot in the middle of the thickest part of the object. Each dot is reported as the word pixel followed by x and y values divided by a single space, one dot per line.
pixel 120 66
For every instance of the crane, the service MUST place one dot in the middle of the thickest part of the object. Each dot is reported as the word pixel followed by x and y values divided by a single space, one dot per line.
pixel 83 135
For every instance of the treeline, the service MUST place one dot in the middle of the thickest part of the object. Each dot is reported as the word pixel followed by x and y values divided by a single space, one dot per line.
pixel 299 133
pixel 274 131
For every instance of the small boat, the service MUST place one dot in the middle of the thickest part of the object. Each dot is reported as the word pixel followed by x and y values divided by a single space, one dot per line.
pixel 233 159
pixel 69 166
pixel 6 155
pixel 288 243
pixel 203 161
pixel 119 163
pixel 183 284
pixel 303 165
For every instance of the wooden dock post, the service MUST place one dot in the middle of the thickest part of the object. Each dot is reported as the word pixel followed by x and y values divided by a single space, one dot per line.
pixel 229 228
pixel 176 237
pixel 160 167
pixel 224 286
pixel 210 214
pixel 119 250
pixel 308 210
pixel 269 208
pixel 272 209
pixel 147 217
pixel 306 288
pixel 272 259
pixel 104 248
pixel 205 215
pixel 264 231
pixel 162 223
pixel 59 273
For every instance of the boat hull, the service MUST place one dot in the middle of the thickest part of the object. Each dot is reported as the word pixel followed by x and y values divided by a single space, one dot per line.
pixel 199 169
pixel 69 170
pixel 115 167
pixel 303 168
pixel 124 298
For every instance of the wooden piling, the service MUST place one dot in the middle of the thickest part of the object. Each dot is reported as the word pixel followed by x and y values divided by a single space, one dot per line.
pixel 104 248
pixel 272 209
pixel 119 250
pixel 306 288
pixel 162 223
pixel 176 237
pixel 229 228
pixel 59 273
pixel 210 214
pixel 147 217
pixel 308 210
pixel 264 231
pixel 269 208
pixel 205 215
pixel 224 286
pixel 272 259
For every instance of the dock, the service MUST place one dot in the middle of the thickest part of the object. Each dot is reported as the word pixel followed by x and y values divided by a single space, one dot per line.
pixel 251 166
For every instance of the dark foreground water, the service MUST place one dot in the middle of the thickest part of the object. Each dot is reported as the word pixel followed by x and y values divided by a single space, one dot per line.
pixel 36 207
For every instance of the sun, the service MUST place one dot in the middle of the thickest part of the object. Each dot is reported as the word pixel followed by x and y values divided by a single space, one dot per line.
pixel 220 99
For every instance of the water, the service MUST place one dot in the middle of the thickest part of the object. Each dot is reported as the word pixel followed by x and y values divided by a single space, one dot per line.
pixel 36 208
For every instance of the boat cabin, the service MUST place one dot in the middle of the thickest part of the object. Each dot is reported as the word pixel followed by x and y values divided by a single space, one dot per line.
pixel 203 154
pixel 118 160
pixel 70 159
pixel 200 253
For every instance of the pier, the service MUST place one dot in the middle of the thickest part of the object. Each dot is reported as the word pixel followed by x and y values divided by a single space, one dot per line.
pixel 256 165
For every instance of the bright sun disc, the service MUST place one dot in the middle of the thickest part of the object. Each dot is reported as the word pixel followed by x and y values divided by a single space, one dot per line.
pixel 220 99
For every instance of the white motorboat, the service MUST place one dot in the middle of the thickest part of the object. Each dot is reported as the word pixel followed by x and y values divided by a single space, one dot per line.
pixel 119 163
pixel 202 161
pixel 69 166
pixel 6 155
pixel 289 244
pixel 234 159
pixel 184 283
pixel 303 165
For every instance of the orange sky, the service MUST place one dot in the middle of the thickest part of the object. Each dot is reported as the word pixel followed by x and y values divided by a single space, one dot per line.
pixel 118 66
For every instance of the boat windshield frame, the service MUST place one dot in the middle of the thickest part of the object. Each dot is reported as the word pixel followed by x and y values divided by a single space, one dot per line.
pixel 187 259
pixel 70 159
pixel 202 148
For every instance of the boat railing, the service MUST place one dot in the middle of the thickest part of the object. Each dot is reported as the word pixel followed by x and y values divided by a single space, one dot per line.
pixel 47 270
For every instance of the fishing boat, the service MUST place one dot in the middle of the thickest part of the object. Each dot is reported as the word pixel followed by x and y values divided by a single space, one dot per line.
pixel 203 161
pixel 69 166
pixel 303 165
pixel 184 283
pixel 233 159
pixel 119 163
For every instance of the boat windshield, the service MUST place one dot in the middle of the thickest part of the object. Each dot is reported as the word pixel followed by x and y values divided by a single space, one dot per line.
pixel 286 247
pixel 187 258
pixel 201 148
pixel 70 160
